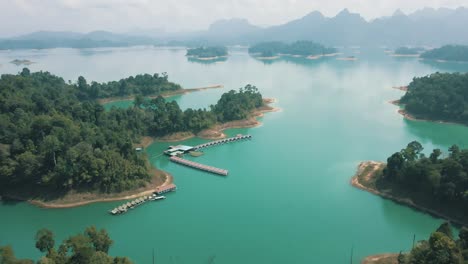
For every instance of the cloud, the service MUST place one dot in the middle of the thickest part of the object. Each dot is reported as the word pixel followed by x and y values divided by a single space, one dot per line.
pixel 21 16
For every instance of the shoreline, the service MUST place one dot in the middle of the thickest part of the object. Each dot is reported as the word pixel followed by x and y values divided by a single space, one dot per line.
pixel 268 58
pixel 405 55
pixel 347 59
pixel 56 204
pixel 164 94
pixel 216 132
pixel 207 58
pixel 389 258
pixel 401 88
pixel 376 166
pixel 411 117
pixel 73 199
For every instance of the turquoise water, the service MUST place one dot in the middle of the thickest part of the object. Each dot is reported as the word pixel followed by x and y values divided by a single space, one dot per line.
pixel 287 198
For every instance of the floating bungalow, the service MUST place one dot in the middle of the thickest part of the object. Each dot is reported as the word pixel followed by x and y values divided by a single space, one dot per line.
pixel 130 205
pixel 178 150
pixel 164 189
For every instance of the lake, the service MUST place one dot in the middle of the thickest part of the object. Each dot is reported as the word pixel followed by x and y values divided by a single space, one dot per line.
pixel 287 198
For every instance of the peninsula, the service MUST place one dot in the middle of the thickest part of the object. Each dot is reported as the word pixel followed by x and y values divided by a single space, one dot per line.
pixel 59 148
pixel 447 53
pixel 434 185
pixel 437 97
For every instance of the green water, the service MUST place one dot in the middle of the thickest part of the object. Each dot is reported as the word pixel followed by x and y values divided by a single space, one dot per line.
pixel 287 198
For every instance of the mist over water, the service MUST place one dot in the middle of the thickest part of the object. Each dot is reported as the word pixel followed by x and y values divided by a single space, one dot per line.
pixel 287 198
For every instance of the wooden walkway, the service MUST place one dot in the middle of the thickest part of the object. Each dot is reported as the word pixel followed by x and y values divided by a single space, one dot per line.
pixel 222 141
pixel 199 166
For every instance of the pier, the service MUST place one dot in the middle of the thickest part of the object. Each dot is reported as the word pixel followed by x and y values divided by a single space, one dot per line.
pixel 199 166
pixel 222 141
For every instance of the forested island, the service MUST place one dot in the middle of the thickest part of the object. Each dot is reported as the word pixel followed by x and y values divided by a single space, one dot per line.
pixel 447 53
pixel 442 247
pixel 438 97
pixel 436 184
pixel 55 137
pixel 90 247
pixel 207 53
pixel 406 51
pixel 298 48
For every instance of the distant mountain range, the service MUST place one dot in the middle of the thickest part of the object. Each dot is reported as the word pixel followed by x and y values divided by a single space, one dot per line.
pixel 425 27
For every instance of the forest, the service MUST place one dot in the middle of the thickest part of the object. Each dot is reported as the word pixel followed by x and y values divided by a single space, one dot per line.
pixel 208 52
pixel 408 51
pixel 447 53
pixel 439 96
pixel 301 48
pixel 442 247
pixel 90 247
pixel 55 138
pixel 142 84
pixel 439 180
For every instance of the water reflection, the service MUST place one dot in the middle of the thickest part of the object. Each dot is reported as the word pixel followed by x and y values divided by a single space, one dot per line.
pixel 210 61
pixel 447 66
pixel 438 133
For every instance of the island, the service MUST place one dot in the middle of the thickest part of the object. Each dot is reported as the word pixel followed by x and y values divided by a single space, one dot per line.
pixel 442 247
pixel 447 53
pixel 60 148
pixel 437 97
pixel 21 62
pixel 407 52
pixel 92 246
pixel 303 48
pixel 436 184
pixel 207 53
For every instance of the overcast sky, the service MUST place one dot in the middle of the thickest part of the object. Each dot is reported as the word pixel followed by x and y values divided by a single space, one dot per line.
pixel 24 16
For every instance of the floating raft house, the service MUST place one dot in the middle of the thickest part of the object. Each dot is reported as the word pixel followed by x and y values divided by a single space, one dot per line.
pixel 164 189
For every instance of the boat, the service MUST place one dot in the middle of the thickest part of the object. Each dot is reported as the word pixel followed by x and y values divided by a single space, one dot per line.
pixel 155 198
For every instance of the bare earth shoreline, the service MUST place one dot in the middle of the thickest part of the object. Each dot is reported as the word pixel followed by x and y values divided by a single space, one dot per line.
pixel 160 178
pixel 411 117
pixel 216 132
pixel 367 171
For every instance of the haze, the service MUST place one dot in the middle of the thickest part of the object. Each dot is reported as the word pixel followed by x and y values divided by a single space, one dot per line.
pixel 24 16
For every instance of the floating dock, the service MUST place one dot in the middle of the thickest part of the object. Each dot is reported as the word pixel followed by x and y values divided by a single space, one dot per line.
pixel 222 141
pixel 139 201
pixel 199 166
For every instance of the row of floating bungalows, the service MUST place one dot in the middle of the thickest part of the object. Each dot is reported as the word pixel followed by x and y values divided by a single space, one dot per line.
pixel 222 141
pixel 179 150
pixel 199 166
pixel 139 201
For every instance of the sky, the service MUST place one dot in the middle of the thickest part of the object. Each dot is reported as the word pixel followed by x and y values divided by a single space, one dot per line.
pixel 23 16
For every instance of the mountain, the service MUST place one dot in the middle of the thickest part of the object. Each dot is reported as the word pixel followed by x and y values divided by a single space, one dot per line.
pixel 64 39
pixel 433 27
pixel 425 27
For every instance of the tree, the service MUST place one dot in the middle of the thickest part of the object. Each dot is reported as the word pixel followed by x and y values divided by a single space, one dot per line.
pixel 435 155
pixel 443 250
pixel 25 72
pixel 7 256
pixel 100 239
pixel 45 240
pixel 445 229
pixel 394 166
pixel 139 101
